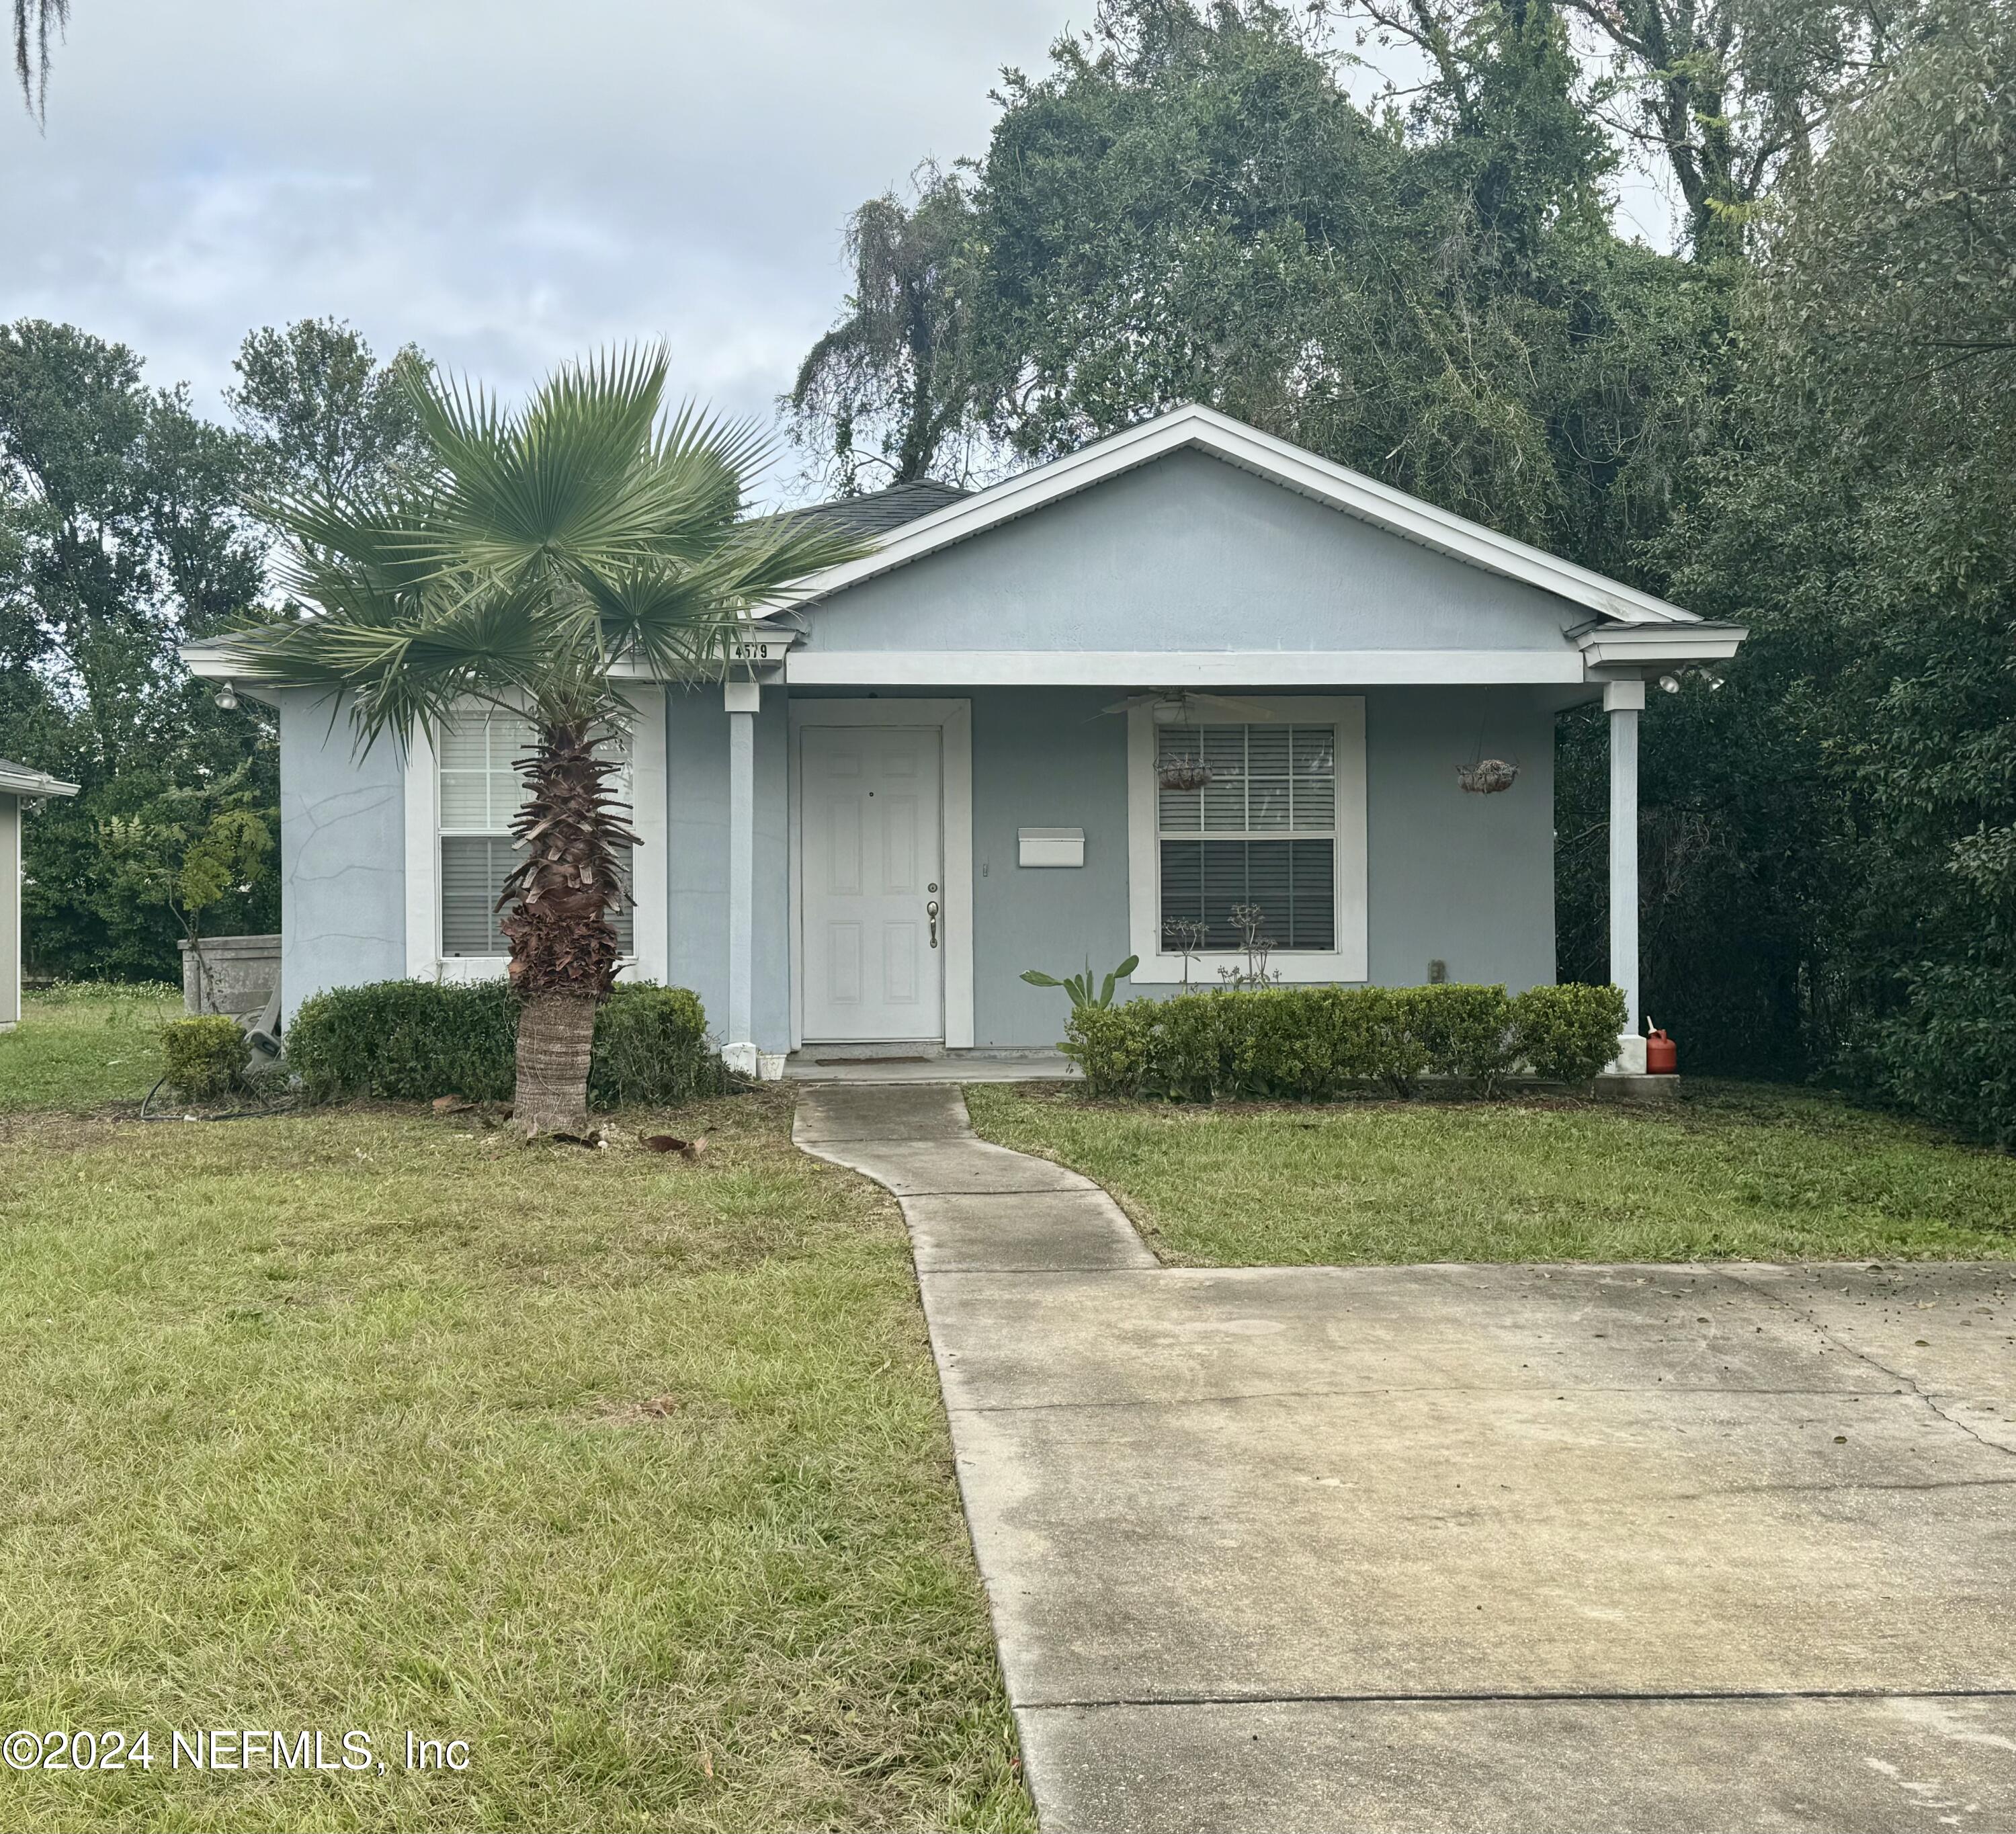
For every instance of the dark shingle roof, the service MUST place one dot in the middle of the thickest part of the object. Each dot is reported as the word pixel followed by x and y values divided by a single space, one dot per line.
pixel 876 512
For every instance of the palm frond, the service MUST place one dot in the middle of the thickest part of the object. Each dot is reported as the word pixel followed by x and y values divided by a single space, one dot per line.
pixel 562 481
pixel 542 550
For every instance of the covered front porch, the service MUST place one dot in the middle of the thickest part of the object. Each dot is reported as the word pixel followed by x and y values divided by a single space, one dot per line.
pixel 834 947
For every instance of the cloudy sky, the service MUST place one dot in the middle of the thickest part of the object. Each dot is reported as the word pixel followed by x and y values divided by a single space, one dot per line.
pixel 504 183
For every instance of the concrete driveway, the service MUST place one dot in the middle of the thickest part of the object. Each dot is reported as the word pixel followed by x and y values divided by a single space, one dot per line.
pixel 1466 1547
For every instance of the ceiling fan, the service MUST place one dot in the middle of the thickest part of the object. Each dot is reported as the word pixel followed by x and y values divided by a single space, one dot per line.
pixel 1172 706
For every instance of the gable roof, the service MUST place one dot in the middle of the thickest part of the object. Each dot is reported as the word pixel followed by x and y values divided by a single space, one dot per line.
pixel 876 512
pixel 1204 429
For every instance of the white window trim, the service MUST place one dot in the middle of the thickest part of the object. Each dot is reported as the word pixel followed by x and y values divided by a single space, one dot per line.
pixel 954 719
pixel 651 930
pixel 1349 961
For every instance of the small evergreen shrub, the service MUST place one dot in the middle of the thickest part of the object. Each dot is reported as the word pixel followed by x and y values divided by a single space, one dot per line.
pixel 1567 1034
pixel 1110 1044
pixel 413 1040
pixel 204 1057
pixel 1466 1032
pixel 651 1048
pixel 407 1041
pixel 1314 1043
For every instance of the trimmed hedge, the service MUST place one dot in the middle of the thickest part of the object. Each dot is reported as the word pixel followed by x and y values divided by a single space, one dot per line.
pixel 413 1040
pixel 205 1058
pixel 1315 1043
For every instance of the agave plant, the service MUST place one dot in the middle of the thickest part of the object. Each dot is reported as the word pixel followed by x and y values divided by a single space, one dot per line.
pixel 536 551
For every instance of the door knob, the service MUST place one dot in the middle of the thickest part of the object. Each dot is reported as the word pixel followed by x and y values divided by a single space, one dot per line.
pixel 931 911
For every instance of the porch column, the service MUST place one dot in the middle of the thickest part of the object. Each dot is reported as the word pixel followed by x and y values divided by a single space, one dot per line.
pixel 1623 701
pixel 743 699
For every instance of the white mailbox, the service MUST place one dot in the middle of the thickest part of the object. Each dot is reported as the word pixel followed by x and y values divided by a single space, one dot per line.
pixel 1050 846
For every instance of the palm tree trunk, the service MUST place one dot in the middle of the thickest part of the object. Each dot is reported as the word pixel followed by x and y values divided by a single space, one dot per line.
pixel 556 905
pixel 556 1032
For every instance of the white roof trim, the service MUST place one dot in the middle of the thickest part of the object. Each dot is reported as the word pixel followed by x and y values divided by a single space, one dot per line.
pixel 20 781
pixel 1610 646
pixel 1174 668
pixel 1204 429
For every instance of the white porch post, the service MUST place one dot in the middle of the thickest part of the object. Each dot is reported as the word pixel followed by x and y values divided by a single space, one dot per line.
pixel 743 699
pixel 1623 701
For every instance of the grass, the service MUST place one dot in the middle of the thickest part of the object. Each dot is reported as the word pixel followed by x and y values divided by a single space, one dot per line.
pixel 1732 1171
pixel 630 1471
pixel 86 1047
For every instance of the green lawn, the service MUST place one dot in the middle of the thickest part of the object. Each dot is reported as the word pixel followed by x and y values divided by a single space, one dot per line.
pixel 85 1048
pixel 632 1472
pixel 1733 1170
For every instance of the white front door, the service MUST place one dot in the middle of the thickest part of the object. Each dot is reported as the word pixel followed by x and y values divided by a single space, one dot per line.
pixel 874 880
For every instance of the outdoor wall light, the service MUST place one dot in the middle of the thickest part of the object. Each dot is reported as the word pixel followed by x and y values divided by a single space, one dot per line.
pixel 227 698
pixel 1670 683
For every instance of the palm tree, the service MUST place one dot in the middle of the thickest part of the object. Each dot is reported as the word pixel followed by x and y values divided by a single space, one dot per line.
pixel 530 554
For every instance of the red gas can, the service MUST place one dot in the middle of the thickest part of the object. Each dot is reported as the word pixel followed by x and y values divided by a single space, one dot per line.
pixel 1661 1059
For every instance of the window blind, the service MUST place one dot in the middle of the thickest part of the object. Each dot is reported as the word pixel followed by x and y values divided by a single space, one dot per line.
pixel 1261 834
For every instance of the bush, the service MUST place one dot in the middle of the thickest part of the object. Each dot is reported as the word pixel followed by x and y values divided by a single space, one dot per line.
pixel 1466 1032
pixel 413 1040
pixel 651 1048
pixel 204 1057
pixel 1311 1043
pixel 407 1041
pixel 1946 1054
pixel 1567 1034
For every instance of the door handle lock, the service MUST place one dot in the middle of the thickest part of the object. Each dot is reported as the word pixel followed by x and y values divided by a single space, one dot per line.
pixel 931 911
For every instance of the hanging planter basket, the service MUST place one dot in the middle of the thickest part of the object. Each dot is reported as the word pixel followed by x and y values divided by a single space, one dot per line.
pixel 1183 774
pixel 1487 776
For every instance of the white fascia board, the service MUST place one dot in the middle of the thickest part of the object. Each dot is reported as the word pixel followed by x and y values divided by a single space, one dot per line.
pixel 33 783
pixel 1206 430
pixel 207 663
pixel 1652 647
pixel 201 660
pixel 764 647
pixel 1172 669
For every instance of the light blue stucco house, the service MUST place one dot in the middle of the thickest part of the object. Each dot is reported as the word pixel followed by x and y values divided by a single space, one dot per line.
pixel 1090 712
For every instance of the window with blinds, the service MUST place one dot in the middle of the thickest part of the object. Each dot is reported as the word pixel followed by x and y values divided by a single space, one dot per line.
pixel 1262 832
pixel 480 793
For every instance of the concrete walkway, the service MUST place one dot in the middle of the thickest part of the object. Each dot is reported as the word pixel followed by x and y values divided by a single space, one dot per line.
pixel 1465 1547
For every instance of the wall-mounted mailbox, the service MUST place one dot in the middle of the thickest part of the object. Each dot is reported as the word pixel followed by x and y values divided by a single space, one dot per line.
pixel 1050 846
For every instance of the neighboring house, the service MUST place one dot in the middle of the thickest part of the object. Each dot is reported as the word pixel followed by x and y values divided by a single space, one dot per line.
pixel 18 787
pixel 954 759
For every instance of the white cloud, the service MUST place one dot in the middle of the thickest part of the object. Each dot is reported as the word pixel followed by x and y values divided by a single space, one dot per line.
pixel 504 183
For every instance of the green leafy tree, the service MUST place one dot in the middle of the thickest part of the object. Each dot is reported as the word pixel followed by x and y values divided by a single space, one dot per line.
pixel 1829 837
pixel 120 534
pixel 320 412
pixel 1188 206
pixel 1731 96
pixel 191 850
pixel 534 554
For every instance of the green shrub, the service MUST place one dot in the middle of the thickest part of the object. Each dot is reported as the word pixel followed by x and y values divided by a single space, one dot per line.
pixel 1313 1044
pixel 1567 1034
pixel 1110 1045
pixel 1466 1031
pixel 413 1040
pixel 407 1041
pixel 204 1057
pixel 1396 1039
pixel 651 1048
